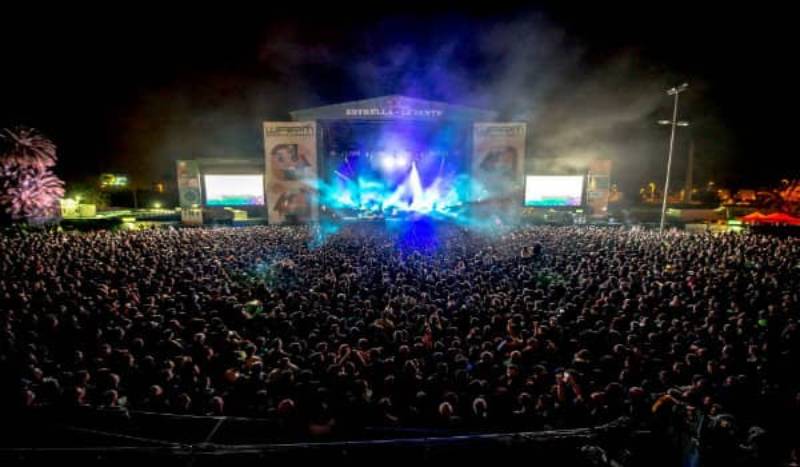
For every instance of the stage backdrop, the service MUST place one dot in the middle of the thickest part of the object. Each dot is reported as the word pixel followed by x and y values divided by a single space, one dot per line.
pixel 498 160
pixel 292 171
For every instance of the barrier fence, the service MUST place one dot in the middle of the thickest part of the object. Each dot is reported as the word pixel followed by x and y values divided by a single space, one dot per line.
pixel 137 437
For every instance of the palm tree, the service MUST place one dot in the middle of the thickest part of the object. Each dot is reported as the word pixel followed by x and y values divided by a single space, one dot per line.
pixel 28 188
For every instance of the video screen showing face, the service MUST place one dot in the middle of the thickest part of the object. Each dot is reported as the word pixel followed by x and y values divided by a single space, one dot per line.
pixel 234 190
pixel 553 190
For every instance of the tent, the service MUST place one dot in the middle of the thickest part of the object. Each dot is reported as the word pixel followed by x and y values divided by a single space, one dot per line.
pixel 782 218
pixel 774 218
pixel 753 217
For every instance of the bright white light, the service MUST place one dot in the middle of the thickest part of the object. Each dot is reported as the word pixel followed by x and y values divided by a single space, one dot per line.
pixel 234 190
pixel 387 162
pixel 419 202
pixel 401 160
pixel 553 190
pixel 390 162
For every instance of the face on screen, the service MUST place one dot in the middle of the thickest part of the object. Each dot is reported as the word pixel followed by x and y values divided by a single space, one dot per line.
pixel 287 162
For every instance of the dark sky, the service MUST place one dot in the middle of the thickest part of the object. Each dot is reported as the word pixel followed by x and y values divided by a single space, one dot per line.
pixel 135 88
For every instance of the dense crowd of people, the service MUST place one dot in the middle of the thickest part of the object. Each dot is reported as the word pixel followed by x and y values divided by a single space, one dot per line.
pixel 526 328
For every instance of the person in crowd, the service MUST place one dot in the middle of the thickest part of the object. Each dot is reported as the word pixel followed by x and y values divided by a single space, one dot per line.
pixel 525 329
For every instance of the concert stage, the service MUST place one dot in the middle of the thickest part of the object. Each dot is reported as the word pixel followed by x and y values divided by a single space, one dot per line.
pixel 387 157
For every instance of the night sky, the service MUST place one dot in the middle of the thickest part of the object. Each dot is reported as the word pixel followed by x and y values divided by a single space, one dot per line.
pixel 136 88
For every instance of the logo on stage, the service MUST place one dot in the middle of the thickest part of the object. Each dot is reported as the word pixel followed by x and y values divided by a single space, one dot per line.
pixel 393 108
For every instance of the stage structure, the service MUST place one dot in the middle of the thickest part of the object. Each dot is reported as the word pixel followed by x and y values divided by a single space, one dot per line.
pixel 389 157
pixel 385 157
pixel 219 189
pixel 599 187
pixel 498 160
pixel 594 191
pixel 292 171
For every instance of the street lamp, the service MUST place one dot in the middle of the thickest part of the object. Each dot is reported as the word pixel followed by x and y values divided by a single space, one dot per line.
pixel 674 123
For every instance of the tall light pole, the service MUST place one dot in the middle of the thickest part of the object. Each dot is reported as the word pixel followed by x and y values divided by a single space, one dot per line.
pixel 674 123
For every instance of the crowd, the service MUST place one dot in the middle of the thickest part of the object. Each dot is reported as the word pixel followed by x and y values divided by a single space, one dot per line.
pixel 527 328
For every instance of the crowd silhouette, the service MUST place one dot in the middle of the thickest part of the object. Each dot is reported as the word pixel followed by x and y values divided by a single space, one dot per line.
pixel 522 329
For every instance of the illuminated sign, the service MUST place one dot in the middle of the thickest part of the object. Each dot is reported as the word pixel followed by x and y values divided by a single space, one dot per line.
pixel 500 130
pixel 393 112
pixel 305 130
pixel 113 181
pixel 393 108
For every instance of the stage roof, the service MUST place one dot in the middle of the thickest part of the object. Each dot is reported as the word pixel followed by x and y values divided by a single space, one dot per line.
pixel 395 107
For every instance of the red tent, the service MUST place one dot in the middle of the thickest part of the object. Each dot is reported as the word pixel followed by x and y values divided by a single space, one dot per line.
pixel 753 217
pixel 782 218
pixel 774 218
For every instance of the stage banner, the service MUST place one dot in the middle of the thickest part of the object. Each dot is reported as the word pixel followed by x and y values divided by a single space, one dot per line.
pixel 598 187
pixel 189 191
pixel 292 171
pixel 498 160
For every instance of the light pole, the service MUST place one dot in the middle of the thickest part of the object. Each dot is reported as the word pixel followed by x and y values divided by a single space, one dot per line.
pixel 673 91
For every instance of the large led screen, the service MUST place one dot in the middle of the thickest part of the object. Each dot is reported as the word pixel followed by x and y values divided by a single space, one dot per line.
pixel 234 190
pixel 553 190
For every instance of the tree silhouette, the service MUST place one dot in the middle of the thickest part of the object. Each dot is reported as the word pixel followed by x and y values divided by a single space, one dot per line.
pixel 28 187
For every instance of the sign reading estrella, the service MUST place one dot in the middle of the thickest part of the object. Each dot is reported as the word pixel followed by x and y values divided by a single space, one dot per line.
pixel 393 108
